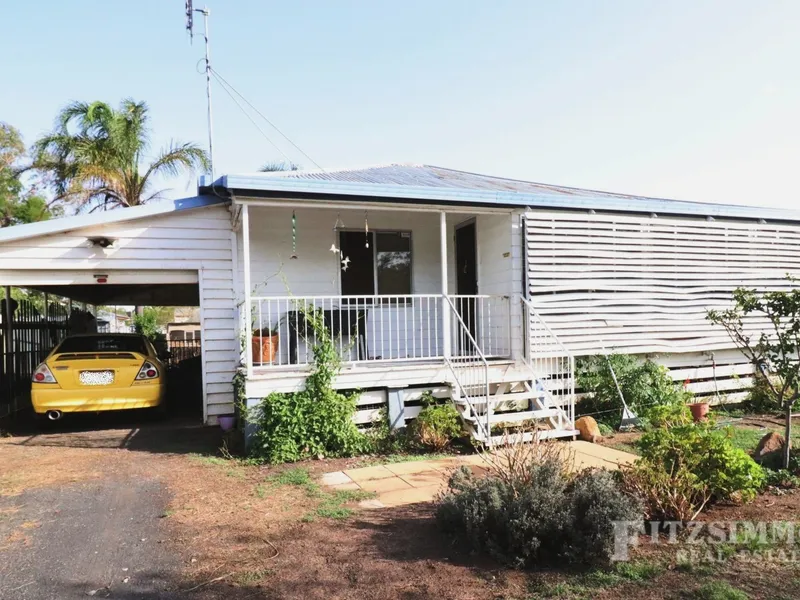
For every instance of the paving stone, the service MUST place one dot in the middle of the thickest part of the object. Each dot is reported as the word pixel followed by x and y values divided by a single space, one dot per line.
pixel 409 496
pixel 425 479
pixel 335 478
pixel 352 486
pixel 405 468
pixel 369 473
pixel 379 486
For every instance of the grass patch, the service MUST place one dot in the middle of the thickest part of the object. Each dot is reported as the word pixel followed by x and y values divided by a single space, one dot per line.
pixel 561 590
pixel 331 504
pixel 718 590
pixel 747 438
pixel 625 447
pixel 624 572
pixel 702 569
pixel 253 577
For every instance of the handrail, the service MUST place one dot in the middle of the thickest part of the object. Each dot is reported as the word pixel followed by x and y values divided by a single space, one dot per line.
pixel 545 367
pixel 479 361
pixel 544 324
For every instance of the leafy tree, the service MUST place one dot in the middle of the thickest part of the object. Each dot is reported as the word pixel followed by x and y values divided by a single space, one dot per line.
pixel 96 153
pixel 773 353
pixel 17 203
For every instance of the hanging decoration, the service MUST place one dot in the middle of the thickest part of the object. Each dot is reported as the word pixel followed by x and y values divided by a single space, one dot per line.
pixel 366 230
pixel 294 236
pixel 336 227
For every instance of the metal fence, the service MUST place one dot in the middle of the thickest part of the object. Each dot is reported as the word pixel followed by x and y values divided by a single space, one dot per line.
pixel 179 351
pixel 36 326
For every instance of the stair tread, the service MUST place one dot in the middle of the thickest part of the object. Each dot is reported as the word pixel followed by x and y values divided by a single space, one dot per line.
pixel 511 417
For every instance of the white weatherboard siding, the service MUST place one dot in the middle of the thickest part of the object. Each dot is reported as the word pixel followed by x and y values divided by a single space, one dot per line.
pixel 642 284
pixel 181 247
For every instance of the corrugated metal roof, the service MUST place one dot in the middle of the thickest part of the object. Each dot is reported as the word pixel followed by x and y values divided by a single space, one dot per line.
pixel 438 177
pixel 403 183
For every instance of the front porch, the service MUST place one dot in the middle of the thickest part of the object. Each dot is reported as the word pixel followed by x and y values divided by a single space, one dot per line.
pixel 412 297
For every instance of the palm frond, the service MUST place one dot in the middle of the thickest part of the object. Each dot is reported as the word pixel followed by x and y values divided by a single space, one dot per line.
pixel 176 159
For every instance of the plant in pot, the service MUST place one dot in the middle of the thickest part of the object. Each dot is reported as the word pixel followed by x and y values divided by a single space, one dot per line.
pixel 264 344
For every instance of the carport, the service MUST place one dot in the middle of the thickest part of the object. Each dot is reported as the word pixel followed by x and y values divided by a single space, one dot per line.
pixel 177 253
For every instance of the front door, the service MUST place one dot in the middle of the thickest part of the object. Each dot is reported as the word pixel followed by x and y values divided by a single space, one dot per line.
pixel 466 283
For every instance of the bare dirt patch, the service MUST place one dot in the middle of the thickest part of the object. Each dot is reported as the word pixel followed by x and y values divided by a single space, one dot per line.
pixel 243 531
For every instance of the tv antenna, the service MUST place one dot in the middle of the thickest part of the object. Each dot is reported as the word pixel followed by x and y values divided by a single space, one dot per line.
pixel 190 10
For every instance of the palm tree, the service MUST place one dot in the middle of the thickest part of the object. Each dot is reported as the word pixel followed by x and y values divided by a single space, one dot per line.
pixel 276 166
pixel 95 153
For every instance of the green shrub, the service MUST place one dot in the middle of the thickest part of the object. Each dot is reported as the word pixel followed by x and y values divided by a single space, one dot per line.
pixel 760 398
pixel 718 590
pixel 685 466
pixel 317 421
pixel 437 425
pixel 536 514
pixel 668 415
pixel 643 384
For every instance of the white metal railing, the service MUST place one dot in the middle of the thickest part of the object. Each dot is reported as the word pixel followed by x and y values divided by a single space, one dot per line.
pixel 487 319
pixel 552 364
pixel 369 329
pixel 470 371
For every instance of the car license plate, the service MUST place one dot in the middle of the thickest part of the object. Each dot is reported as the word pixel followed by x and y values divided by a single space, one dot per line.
pixel 97 377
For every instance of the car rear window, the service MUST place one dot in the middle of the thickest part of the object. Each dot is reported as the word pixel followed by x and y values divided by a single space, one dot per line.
pixel 103 343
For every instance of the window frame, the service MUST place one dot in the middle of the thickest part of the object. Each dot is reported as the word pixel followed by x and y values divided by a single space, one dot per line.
pixel 374 247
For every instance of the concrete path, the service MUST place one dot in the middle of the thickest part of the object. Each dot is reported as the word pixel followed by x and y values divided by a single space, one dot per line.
pixel 420 481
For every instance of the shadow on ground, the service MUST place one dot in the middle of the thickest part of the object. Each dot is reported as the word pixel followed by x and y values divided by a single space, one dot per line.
pixel 135 430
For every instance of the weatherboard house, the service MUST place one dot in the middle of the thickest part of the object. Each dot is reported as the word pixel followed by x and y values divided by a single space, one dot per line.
pixel 477 288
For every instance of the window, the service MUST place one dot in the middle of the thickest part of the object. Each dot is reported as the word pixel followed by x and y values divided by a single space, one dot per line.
pixel 382 269
pixel 103 343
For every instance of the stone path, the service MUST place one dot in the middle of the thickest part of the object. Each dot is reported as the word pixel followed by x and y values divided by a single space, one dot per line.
pixel 420 481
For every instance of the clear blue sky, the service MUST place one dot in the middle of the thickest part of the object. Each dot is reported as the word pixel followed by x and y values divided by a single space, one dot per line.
pixel 695 100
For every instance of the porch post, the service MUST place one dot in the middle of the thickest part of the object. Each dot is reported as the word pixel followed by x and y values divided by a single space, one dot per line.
pixel 446 317
pixel 248 308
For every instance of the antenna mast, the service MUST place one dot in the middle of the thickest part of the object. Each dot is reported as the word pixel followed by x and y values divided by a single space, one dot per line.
pixel 189 26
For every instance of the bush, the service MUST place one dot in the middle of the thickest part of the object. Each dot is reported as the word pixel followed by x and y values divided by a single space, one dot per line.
pixel 529 512
pixel 685 466
pixel 643 383
pixel 761 398
pixel 317 421
pixel 437 425
pixel 595 503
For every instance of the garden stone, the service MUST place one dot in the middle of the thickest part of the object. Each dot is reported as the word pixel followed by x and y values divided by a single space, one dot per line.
pixel 589 430
pixel 770 449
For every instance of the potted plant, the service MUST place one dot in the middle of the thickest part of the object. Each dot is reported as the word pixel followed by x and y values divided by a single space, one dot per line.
pixel 265 345
pixel 226 422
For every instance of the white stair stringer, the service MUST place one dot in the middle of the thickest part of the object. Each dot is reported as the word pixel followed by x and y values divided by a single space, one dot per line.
pixel 535 406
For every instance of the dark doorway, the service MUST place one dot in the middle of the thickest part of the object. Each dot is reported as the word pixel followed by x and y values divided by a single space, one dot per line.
pixel 466 281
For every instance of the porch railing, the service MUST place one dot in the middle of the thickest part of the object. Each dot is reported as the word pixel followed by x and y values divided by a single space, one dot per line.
pixel 371 329
pixel 551 362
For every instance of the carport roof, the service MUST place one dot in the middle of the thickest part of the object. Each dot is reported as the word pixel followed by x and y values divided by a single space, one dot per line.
pixel 21 232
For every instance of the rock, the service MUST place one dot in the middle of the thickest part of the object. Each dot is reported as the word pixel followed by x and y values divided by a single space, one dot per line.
pixel 589 430
pixel 770 449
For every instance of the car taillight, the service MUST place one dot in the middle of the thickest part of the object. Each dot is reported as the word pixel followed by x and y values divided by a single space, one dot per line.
pixel 42 374
pixel 148 371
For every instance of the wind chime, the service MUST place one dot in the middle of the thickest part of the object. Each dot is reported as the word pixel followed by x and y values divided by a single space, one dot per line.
pixel 345 260
pixel 294 236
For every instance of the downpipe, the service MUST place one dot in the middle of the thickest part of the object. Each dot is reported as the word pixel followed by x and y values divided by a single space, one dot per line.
pixel 54 415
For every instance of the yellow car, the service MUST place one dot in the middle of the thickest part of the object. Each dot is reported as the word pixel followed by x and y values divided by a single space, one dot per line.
pixel 94 372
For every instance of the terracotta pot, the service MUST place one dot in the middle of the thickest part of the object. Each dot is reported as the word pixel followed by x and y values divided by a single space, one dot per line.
pixel 699 411
pixel 264 349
